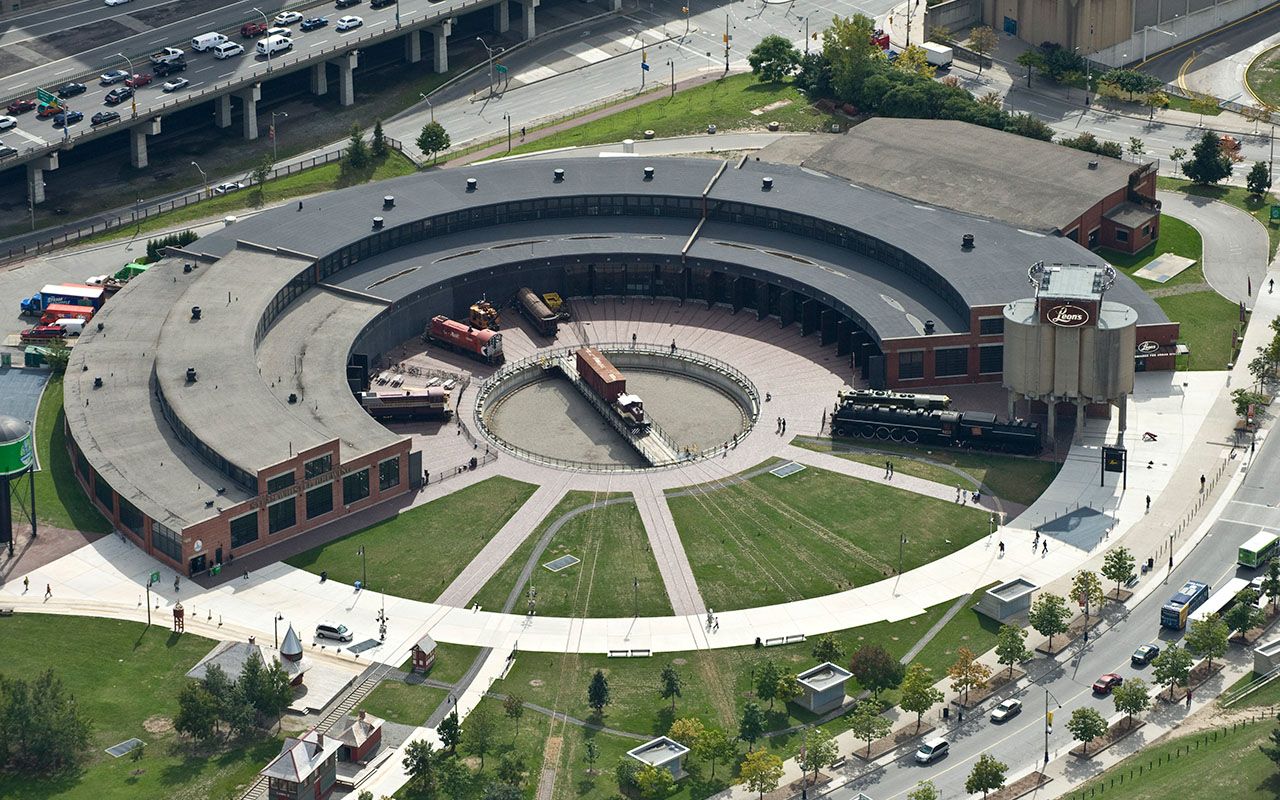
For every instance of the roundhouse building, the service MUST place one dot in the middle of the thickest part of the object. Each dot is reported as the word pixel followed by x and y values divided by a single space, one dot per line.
pixel 209 414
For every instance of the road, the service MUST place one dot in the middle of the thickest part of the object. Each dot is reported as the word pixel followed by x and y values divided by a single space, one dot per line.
pixel 1215 63
pixel 1020 742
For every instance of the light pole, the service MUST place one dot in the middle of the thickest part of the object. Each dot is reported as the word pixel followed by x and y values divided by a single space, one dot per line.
pixel 490 51
pixel 275 132
pixel 1144 37
pixel 133 100
pixel 275 623
pixel 902 540
pixel 424 97
pixel 672 64
pixel 635 595
pixel 266 22
pixel 1048 721
pixel 507 117
pixel 685 9
pixel 364 573
pixel 726 43
pixel 806 35
pixel 204 176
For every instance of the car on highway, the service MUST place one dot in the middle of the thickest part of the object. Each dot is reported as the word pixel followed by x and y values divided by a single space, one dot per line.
pixel 44 112
pixel 346 3
pixel 116 2
pixel 169 68
pixel 175 84
pixel 227 50
pixel 113 76
pixel 313 23
pixel 1106 683
pixel 8 122
pixel 1006 711
pixel 64 119
pixel 139 80
pixel 252 30
pixel 103 117
pixel 287 18
pixel 381 3
pixel 71 90
pixel 228 187
pixel 118 95
pixel 6 151
pixel 277 31
pixel 20 107
pixel 348 23
pixel 1144 655
pixel 932 750
pixel 333 631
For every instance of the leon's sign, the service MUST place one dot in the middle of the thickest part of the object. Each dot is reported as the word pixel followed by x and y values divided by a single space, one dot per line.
pixel 1066 315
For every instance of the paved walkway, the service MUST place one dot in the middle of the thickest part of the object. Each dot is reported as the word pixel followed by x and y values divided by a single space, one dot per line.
pixel 868 472
pixel 664 541
pixel 1236 250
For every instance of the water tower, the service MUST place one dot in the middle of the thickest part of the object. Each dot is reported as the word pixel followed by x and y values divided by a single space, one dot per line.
pixel 16 459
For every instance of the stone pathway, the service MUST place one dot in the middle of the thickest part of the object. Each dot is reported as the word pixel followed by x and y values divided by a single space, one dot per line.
pixel 668 551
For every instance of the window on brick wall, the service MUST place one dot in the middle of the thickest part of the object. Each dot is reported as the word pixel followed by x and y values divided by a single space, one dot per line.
pixel 355 486
pixel 911 364
pixel 282 515
pixel 283 481
pixel 389 474
pixel 949 362
pixel 319 501
pixel 317 466
pixel 244 529
pixel 991 359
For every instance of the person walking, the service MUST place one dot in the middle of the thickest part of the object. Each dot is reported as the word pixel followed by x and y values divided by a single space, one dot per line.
pixel 1044 546
pixel 1202 483
pixel 633 341
pixel 886 470
pixel 957 494
pixel 1271 285
pixel 673 346
pixel 1148 504
pixel 48 591
pixel 26 584
pixel 1002 548
pixel 890 469
pixel 784 426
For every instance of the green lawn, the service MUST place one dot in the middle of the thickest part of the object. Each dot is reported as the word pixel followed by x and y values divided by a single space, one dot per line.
pixel 1231 195
pixel 1263 77
pixel 1208 321
pixel 452 662
pixel 1176 237
pixel 1230 764
pixel 1268 695
pixel 408 704
pixel 1183 104
pixel 968 629
pixel 418 553
pixel 124 674
pixel 1016 480
pixel 60 501
pixel 726 103
pixel 614 551
pixel 772 540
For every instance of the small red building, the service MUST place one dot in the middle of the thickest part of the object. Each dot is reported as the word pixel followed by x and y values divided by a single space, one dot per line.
pixel 424 654
pixel 360 737
pixel 306 769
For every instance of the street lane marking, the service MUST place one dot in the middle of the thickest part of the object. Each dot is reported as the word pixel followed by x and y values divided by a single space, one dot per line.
pixel 587 53
pixel 1242 522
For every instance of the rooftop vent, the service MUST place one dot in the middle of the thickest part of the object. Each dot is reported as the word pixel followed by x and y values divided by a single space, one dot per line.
pixel 191 374
pixel 97 383
pixel 101 325
pixel 389 201
pixel 928 327
pixel 186 269
pixel 966 241
pixel 195 312
pixel 766 184
pixel 293 398
pixel 1093 163
pixel 648 173
pixel 377 223
pixel 471 184
pixel 558 175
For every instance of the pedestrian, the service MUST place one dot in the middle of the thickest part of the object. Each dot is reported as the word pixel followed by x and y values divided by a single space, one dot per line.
pixel 1044 546
pixel 48 591
pixel 784 425
pixel 1271 285
pixel 1202 482
pixel 299 205
pixel 1036 541
pixel 886 470
pixel 673 345
pixel 1148 504
pixel 1188 698
pixel 633 341
pixel 26 584
pixel 175 583
pixel 957 494
pixel 964 498
pixel 767 397
pixel 890 469
pixel 246 574
pixel 1002 548
pixel 522 132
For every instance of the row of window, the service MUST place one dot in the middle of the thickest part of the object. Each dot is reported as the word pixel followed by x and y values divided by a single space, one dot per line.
pixel 951 362
pixel 213 457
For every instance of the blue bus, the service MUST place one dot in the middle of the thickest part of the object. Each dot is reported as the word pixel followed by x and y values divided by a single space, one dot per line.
pixel 1190 597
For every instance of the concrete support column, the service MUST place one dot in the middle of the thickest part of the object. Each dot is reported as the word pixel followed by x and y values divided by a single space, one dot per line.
pixel 1124 413
pixel 222 111
pixel 1076 437
pixel 346 65
pixel 1013 399
pixel 413 46
pixel 501 17
pixel 1053 423
pixel 440 45
pixel 320 79
pixel 250 98
pixel 138 141
pixel 613 5
pixel 528 28
pixel 35 182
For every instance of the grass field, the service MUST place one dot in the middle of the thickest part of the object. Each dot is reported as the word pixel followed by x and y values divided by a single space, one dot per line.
pixel 1208 321
pixel 968 629
pixel 1183 104
pixel 1236 196
pixel 123 675
pixel 1016 480
pixel 408 704
pixel 1176 237
pixel 726 103
pixel 452 662
pixel 1231 764
pixel 1268 695
pixel 772 540
pixel 416 554
pixel 1263 77
pixel 614 551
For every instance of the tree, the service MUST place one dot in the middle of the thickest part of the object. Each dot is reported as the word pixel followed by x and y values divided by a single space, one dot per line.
pixel 511 768
pixel 1132 697
pixel 450 732
pixel 1203 104
pixel 592 755
pixel 850 53
pixel 987 775
pixel 357 150
pixel 1011 647
pixel 1208 637
pixel 867 724
pixel 1033 60
pixel 1086 589
pixel 1208 164
pixel 1244 616
pixel 513 707
pixel 788 689
pixel 1072 79
pixel 686 731
pixel 941 34
pixel 238 712
pixel 875 669
pixel 773 59
pixel 1258 180
pixel 1136 147
pixel 433 139
pixel 275 692
pixel 983 40
pixel 1131 81
pixel 761 772
pixel 1243 399
pixel 713 746
pixel 378 146
pixel 654 782
pixel 1177 155
pixel 1172 666
pixel 598 692
pixel 767 682
pixel 260 175
pixel 918 692
pixel 197 712
pixel 1049 616
pixel 751 727
pixel 925 790
pixel 671 685
pixel 828 648
pixel 1154 100
pixel 817 750
pixel 421 762
pixel 1117 565
pixel 914 61
pixel 1086 724
pixel 967 672
pixel 1272 750
pixel 1271 583
pixel 478 733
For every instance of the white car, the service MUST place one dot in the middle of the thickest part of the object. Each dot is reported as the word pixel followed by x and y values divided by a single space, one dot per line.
pixel 285 32
pixel 116 2
pixel 1006 710
pixel 8 122
pixel 228 187
pixel 228 50
pixel 175 84
pixel 349 23
pixel 287 18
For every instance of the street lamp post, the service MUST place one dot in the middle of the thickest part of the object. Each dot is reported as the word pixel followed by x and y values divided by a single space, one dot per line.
pixel 204 177
pixel 267 22
pixel 364 572
pixel 276 626
pixel 507 117
pixel 635 595
pixel 275 132
pixel 1144 37
pixel 902 540
pixel 133 100
pixel 672 64
pixel 428 99
pixel 806 36
pixel 1048 721
pixel 490 52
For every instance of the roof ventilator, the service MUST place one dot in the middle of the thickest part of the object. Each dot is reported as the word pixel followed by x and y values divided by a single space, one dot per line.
pixel 928 327
pixel 377 223
pixel 966 241
pixel 471 184
pixel 195 312
pixel 186 269
pixel 97 383
pixel 648 173
pixel 558 176
pixel 191 374
pixel 389 201
pixel 1093 163
pixel 766 184
pixel 293 398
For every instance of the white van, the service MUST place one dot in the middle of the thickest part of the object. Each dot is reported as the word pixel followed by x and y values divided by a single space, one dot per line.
pixel 228 49
pixel 274 44
pixel 207 41
pixel 73 327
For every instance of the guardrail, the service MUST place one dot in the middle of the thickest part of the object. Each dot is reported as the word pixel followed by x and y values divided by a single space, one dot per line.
pixel 1230 698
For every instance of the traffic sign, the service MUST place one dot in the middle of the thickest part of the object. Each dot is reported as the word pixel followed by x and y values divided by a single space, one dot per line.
pixel 1275 212
pixel 46 98
pixel 644 66
pixel 502 70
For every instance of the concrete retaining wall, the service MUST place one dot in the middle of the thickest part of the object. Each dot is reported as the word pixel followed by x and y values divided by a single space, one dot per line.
pixel 1180 25
pixel 954 15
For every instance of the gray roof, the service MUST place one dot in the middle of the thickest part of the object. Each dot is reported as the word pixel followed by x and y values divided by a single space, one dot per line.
pixel 1130 214
pixel 300 758
pixel 232 656
pixel 658 751
pixel 1030 184
pixel 824 676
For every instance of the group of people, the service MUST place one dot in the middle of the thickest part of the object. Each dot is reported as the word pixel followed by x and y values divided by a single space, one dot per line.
pixel 782 426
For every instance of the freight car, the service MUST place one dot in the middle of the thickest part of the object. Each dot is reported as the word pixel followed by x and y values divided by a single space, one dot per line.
pixel 879 397
pixel 485 345
pixel 544 320
pixel 429 404
pixel 977 429
pixel 607 383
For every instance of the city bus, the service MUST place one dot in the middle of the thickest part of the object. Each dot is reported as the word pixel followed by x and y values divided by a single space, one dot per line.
pixel 1258 550
pixel 1190 597
pixel 1221 600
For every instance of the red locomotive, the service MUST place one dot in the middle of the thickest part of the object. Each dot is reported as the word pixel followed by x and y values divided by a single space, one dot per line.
pixel 485 345
pixel 604 379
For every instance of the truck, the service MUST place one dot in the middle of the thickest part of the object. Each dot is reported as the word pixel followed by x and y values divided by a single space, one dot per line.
pixel 71 294
pixel 59 311
pixel 168 56
pixel 939 55
pixel 880 39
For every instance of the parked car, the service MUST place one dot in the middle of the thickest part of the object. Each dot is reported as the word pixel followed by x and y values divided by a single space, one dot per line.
pixel 43 333
pixel 103 117
pixel 8 122
pixel 349 23
pixel 115 2
pixel 1106 683
pixel 67 118
pixel 229 186
pixel 333 631
pixel 932 750
pixel 113 76
pixel 252 30
pixel 312 23
pixel 1144 655
pixel 287 18
pixel 118 95
pixel 20 107
pixel 6 151
pixel 346 3
pixel 71 90
pixel 139 80
pixel 1006 711
pixel 175 84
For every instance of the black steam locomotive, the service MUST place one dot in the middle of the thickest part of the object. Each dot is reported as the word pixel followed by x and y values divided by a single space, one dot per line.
pixel 976 429
pixel 891 399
